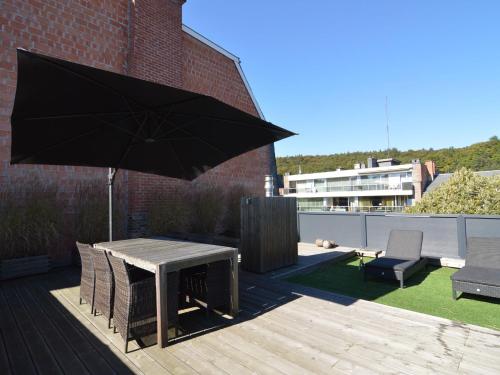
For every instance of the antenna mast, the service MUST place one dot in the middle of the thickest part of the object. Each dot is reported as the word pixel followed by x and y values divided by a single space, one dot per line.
pixel 387 123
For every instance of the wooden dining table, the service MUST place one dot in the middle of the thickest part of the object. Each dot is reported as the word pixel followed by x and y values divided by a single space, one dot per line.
pixel 162 255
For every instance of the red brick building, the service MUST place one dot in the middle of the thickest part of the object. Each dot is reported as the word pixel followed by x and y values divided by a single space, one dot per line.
pixel 144 39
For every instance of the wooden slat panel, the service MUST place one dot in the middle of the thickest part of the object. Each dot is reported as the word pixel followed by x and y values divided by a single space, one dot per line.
pixel 268 233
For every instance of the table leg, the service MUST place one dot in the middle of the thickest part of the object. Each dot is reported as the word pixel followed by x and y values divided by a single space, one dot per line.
pixel 235 307
pixel 161 305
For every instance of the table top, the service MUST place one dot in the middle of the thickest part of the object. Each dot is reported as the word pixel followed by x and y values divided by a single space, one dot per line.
pixel 149 253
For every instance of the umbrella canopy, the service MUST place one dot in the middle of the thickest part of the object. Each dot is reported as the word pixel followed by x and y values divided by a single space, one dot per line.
pixel 71 114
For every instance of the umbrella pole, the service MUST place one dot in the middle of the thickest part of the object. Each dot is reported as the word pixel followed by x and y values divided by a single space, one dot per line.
pixel 111 180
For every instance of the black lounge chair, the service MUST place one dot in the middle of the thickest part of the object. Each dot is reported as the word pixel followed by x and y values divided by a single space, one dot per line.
pixel 402 258
pixel 481 273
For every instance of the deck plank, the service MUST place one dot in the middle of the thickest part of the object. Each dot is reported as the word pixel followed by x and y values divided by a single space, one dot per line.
pixel 33 329
pixel 18 353
pixel 67 331
pixel 282 329
pixel 4 360
pixel 97 328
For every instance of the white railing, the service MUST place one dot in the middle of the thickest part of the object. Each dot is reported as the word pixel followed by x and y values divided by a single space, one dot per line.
pixel 350 187
pixel 319 207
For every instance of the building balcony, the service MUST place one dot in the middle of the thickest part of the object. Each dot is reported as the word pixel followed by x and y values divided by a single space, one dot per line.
pixel 350 188
pixel 317 208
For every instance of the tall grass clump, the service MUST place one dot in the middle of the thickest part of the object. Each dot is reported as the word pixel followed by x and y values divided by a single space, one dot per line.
pixel 232 211
pixel 207 207
pixel 197 209
pixel 91 215
pixel 169 212
pixel 30 219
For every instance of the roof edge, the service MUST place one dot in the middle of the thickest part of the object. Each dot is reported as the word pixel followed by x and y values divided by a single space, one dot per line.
pixel 236 60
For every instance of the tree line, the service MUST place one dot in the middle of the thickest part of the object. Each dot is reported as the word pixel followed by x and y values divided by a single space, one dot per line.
pixel 477 157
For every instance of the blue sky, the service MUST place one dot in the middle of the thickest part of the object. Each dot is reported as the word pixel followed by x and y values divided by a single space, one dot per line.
pixel 323 68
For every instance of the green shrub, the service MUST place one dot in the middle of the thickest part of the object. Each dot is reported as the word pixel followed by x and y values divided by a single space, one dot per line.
pixel 464 193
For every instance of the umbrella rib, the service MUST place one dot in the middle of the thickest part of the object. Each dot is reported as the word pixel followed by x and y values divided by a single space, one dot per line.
pixel 160 125
pixel 20 159
pixel 192 136
pixel 269 125
pixel 75 115
pixel 92 115
pixel 177 127
pixel 131 142
pixel 177 157
pixel 116 127
pixel 205 141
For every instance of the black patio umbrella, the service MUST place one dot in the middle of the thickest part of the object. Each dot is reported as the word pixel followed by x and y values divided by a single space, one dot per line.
pixel 71 114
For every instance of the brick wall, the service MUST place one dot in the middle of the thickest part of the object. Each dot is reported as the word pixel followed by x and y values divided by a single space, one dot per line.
pixel 209 72
pixel 206 71
pixel 156 51
pixel 142 38
pixel 92 33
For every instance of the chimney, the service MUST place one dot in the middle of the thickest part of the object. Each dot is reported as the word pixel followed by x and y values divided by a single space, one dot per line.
pixel 430 165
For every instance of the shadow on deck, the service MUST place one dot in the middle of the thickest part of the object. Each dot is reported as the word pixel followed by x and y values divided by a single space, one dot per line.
pixel 283 328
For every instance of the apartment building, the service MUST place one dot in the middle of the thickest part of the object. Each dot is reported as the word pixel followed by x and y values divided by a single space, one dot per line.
pixel 383 185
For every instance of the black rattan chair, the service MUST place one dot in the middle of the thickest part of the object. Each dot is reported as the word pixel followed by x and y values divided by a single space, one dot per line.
pixel 87 279
pixel 104 285
pixel 207 285
pixel 402 258
pixel 134 314
pixel 481 274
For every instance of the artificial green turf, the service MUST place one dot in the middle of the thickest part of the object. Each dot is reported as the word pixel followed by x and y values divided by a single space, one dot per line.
pixel 427 292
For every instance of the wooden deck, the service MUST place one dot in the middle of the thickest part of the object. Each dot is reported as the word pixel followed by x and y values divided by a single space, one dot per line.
pixel 282 328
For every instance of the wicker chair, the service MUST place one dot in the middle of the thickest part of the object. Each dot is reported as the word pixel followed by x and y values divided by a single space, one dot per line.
pixel 135 301
pixel 207 285
pixel 87 280
pixel 481 273
pixel 104 285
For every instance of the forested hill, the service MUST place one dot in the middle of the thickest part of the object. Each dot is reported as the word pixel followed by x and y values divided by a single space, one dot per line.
pixel 478 157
